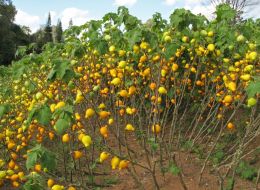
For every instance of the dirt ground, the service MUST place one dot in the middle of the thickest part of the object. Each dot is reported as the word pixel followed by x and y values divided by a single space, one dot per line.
pixel 191 169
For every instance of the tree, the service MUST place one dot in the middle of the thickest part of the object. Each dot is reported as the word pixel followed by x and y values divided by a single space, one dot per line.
pixel 7 43
pixel 70 23
pixel 26 30
pixel 7 10
pixel 39 38
pixel 59 31
pixel 241 6
pixel 48 30
pixel 21 38
pixel 11 34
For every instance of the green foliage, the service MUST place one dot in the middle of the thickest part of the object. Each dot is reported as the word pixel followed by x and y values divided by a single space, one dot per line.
pixel 41 113
pixel 58 32
pixel 175 170
pixel 219 153
pixel 61 70
pixel 4 71
pixel 78 51
pixel 40 154
pixel 218 156
pixel 246 171
pixel 4 109
pixel 171 50
pixel 34 182
pixel 230 184
pixel 64 116
pixel 61 126
pixel 182 19
pixel 129 21
pixel 134 36
pixel 158 24
pixel 93 50
pixel 21 51
pixel 253 88
pixel 48 30
pixel 18 70
pixel 154 145
pixel 11 34
pixel 225 12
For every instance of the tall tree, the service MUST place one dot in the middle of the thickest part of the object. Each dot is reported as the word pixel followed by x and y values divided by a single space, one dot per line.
pixel 7 36
pixel 11 34
pixel 20 38
pixel 48 30
pixel 26 30
pixel 70 23
pixel 59 31
pixel 7 10
pixel 39 38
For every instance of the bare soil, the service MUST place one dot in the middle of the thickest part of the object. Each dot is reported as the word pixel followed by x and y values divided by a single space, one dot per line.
pixel 191 166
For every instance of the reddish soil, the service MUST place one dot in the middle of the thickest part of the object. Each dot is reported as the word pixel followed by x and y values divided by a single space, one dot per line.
pixel 191 170
pixel 191 167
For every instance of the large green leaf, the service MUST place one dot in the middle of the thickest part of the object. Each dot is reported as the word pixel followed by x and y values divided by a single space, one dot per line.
pixel 18 70
pixel 43 115
pixel 101 46
pixel 32 156
pixel 61 70
pixel 4 109
pixel 31 159
pixel 59 113
pixel 48 160
pixel 131 22
pixel 61 126
pixel 151 38
pixel 253 88
pixel 171 50
pixel 134 36
pixel 40 154
pixel 31 115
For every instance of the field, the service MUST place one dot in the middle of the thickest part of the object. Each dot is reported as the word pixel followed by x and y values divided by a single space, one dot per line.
pixel 123 104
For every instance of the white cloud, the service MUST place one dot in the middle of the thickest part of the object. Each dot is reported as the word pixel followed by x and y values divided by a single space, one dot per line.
pixel 78 16
pixel 197 6
pixel 170 2
pixel 193 1
pixel 185 2
pixel 25 19
pixel 125 2
pixel 252 12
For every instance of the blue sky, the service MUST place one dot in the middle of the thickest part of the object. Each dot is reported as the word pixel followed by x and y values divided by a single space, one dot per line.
pixel 33 13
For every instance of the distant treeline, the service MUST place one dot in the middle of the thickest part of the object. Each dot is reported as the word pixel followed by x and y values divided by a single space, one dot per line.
pixel 12 35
